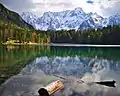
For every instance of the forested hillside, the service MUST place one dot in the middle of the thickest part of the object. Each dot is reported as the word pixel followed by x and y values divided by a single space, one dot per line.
pixel 10 31
pixel 13 29
pixel 10 16
pixel 108 35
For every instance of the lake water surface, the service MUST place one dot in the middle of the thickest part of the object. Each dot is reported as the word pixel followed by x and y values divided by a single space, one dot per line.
pixel 27 68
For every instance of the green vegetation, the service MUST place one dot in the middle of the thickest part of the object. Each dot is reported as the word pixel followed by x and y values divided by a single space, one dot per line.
pixel 107 35
pixel 12 17
pixel 14 30
pixel 11 34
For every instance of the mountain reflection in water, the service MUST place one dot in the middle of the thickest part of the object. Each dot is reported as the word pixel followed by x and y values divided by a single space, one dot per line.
pixel 41 70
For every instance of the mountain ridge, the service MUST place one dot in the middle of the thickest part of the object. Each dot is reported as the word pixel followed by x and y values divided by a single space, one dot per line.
pixel 71 19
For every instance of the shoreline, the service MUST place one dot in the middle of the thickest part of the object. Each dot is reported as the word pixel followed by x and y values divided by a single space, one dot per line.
pixel 61 44
pixel 82 45
pixel 20 44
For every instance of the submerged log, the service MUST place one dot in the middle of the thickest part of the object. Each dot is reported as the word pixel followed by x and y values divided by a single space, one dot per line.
pixel 107 83
pixel 51 89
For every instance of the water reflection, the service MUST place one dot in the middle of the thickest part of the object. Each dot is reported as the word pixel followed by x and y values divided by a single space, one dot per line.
pixel 106 53
pixel 75 68
pixel 40 72
pixel 67 66
pixel 14 58
pixel 88 64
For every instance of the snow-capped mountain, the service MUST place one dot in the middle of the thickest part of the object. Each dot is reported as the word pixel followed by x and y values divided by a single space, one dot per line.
pixel 30 18
pixel 69 19
pixel 114 20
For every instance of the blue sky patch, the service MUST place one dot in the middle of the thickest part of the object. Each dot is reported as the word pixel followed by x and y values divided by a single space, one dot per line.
pixel 90 1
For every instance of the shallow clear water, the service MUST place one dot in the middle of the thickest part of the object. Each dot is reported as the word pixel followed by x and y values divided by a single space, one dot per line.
pixel 73 63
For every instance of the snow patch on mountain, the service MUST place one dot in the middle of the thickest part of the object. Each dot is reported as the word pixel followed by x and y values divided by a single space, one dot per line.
pixel 70 19
pixel 30 19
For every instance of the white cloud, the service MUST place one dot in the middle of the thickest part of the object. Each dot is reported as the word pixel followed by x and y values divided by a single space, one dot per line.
pixel 61 5
pixel 108 7
pixel 103 7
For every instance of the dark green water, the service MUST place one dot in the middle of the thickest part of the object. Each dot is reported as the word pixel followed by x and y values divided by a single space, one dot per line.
pixel 14 58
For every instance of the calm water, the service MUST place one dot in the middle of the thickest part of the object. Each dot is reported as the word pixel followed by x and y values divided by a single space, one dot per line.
pixel 27 68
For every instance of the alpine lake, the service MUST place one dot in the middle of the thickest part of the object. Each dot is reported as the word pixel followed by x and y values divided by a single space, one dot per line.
pixel 24 69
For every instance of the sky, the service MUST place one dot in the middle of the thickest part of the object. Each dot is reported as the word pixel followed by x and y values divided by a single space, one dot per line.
pixel 38 7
